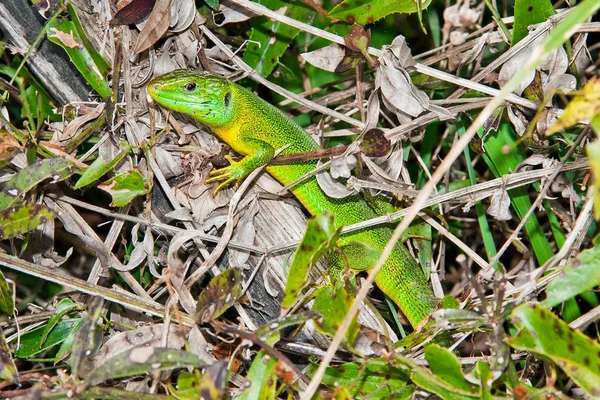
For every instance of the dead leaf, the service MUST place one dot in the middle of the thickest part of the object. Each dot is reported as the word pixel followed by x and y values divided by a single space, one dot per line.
pixel 400 92
pixel 327 58
pixel 499 205
pixel 402 52
pixel 155 28
pixel 519 122
pixel 71 130
pixel 182 15
pixel 556 64
pixel 8 145
pixel 472 54
pixel 68 39
pixel 331 187
pixel 147 336
pixel 341 167
pixel 516 63
pixel 547 119
pixel 245 233
pixel 232 13
pixel 133 12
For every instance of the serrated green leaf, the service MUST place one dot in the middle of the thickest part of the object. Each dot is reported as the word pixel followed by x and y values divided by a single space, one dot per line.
pixel 31 342
pixel 222 292
pixel 541 332
pixel 66 34
pixel 142 361
pixel 57 169
pixel 529 12
pixel 366 12
pixel 7 303
pixel 373 379
pixel 125 187
pixel 576 277
pixel 333 304
pixel 22 219
pixel 320 237
pixel 98 168
pixel 270 39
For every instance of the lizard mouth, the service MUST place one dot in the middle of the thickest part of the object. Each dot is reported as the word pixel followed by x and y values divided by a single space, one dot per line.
pixel 167 98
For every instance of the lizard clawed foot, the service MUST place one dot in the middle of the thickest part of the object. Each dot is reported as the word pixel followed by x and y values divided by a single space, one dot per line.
pixel 233 172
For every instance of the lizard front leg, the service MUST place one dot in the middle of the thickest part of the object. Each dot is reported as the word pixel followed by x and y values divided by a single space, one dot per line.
pixel 258 153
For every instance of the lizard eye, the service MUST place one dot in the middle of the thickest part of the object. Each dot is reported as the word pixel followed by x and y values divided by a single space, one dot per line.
pixel 227 99
pixel 190 87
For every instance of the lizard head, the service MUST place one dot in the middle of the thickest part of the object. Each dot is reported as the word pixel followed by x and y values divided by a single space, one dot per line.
pixel 206 97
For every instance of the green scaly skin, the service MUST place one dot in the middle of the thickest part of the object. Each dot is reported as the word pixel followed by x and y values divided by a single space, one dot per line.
pixel 255 129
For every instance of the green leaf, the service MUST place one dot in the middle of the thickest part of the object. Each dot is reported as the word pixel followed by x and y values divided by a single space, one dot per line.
pixel 70 36
pixel 67 345
pixel 22 219
pixel 262 378
pixel 372 379
pixel 577 277
pixel 8 370
pixel 188 386
pixel 320 237
pixel 541 332
pixel 484 373
pixel 57 169
pixel 366 12
pixel 445 366
pixel 270 39
pixel 443 389
pixel 333 304
pixel 100 167
pixel 31 342
pixel 142 361
pixel 7 303
pixel 64 306
pixel 125 187
pixel 529 12
pixel 193 386
pixel 214 4
pixel 503 154
pixel 222 292
pixel 99 60
pixel 269 332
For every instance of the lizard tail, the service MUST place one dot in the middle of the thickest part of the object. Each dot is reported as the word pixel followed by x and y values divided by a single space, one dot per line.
pixel 408 288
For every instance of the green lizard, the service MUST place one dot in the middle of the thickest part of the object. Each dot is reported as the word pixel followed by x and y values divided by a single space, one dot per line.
pixel 255 129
